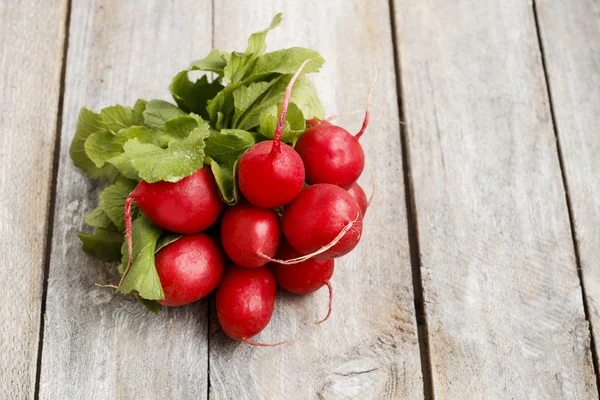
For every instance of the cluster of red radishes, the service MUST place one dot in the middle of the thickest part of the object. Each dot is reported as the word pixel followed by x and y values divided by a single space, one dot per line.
pixel 283 232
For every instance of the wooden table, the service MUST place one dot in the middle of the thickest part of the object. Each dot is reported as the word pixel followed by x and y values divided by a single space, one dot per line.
pixel 479 272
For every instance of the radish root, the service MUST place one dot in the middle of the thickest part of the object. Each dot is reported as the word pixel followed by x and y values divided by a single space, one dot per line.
pixel 258 344
pixel 316 253
pixel 328 283
pixel 107 286
pixel 344 114
pixel 284 106
pixel 366 120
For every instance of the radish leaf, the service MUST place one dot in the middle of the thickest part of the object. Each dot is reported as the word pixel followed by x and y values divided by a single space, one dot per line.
pixel 119 117
pixel 245 97
pixel 228 145
pixel 102 146
pixel 303 95
pixel 158 112
pixel 215 62
pixel 123 165
pixel 138 109
pixel 295 124
pixel 89 123
pixel 182 158
pixel 102 244
pixel 142 276
pixel 193 96
pixel 98 218
pixel 112 201
pixel 240 63
pixel 225 176
pixel 166 240
pixel 287 61
pixel 180 127
pixel 151 305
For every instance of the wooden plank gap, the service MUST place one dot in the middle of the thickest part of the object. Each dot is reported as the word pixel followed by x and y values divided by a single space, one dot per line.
pixel 412 222
pixel 567 196
pixel 209 299
pixel 209 306
pixel 112 338
pixel 52 199
pixel 369 348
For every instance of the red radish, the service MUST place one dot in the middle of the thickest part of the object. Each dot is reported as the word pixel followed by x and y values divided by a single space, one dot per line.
pixel 331 154
pixel 271 173
pixel 188 206
pixel 189 269
pixel 359 195
pixel 249 233
pixel 305 277
pixel 245 301
pixel 325 220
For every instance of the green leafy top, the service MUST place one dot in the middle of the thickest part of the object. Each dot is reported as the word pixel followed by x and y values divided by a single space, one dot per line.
pixel 239 63
pixel 216 118
pixel 181 158
pixel 158 113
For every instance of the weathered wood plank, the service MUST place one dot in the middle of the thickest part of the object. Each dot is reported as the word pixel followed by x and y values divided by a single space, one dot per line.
pixel 502 297
pixel 96 345
pixel 369 348
pixel 31 50
pixel 570 32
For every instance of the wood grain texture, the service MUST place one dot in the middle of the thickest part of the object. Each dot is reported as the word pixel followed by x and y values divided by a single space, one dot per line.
pixel 570 33
pixel 368 349
pixel 502 296
pixel 31 50
pixel 98 345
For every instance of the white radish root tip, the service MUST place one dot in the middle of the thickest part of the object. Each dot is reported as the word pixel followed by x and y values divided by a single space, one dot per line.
pixel 344 114
pixel 284 106
pixel 328 283
pixel 316 253
pixel 366 120
pixel 258 344
pixel 107 286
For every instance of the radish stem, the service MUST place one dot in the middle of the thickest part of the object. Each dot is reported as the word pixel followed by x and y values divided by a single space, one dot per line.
pixel 366 120
pixel 328 283
pixel 128 239
pixel 284 106
pixel 252 343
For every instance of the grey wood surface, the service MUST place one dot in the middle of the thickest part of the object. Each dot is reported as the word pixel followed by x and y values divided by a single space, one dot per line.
pixel 503 301
pixel 570 33
pixel 97 345
pixel 369 348
pixel 31 48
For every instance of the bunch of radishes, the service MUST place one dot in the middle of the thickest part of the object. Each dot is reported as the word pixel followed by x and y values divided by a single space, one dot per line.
pixel 249 213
